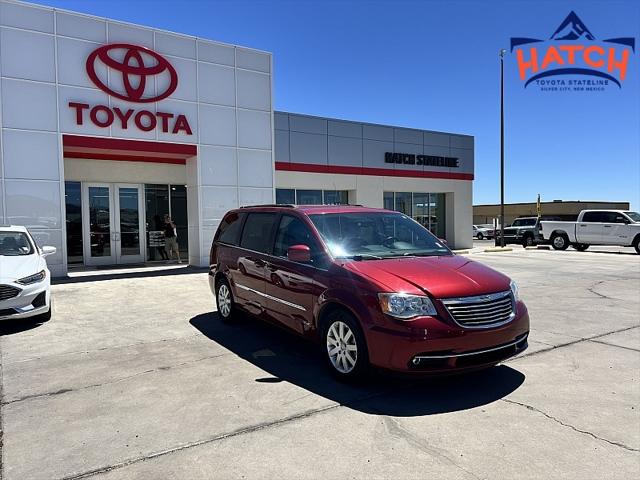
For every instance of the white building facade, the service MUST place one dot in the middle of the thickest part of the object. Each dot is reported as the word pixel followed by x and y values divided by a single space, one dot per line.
pixel 107 127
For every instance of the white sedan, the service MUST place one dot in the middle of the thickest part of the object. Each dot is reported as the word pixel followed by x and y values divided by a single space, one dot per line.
pixel 24 277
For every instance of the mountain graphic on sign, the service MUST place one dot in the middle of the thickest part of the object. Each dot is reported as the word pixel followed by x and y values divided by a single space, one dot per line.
pixel 572 29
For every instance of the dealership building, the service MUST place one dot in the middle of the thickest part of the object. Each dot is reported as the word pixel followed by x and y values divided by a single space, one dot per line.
pixel 106 127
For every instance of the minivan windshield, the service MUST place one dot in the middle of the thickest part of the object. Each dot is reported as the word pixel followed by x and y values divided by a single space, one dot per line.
pixel 375 235
pixel 14 244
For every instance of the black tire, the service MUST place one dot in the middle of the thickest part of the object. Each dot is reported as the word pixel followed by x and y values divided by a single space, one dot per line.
pixel 528 241
pixel 226 309
pixel 480 236
pixel 581 247
pixel 636 244
pixel 559 241
pixel 360 366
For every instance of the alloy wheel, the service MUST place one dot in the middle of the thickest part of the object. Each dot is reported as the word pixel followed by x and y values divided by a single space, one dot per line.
pixel 341 347
pixel 224 300
pixel 558 242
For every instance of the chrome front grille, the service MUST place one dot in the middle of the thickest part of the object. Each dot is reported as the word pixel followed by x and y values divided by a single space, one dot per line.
pixel 7 292
pixel 481 311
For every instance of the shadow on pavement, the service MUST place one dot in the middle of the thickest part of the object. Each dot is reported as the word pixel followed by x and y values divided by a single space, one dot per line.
pixel 10 327
pixel 286 357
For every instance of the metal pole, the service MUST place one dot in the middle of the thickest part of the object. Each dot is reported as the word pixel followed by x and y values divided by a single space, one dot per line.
pixel 502 52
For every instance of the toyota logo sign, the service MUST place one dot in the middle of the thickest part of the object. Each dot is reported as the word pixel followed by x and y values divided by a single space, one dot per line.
pixel 138 65
pixel 129 69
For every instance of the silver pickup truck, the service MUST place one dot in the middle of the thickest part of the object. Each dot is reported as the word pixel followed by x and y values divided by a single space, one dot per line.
pixel 595 227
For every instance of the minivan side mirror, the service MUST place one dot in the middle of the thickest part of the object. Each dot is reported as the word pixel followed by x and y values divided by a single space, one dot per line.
pixel 47 250
pixel 299 253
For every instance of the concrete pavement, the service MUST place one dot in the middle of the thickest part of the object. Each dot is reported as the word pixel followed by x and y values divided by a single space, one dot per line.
pixel 136 378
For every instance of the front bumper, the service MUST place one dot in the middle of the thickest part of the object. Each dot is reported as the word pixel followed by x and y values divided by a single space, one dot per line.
pixel 433 345
pixel 32 300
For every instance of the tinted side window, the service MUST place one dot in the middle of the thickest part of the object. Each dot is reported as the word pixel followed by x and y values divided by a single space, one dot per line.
pixel 593 217
pixel 229 229
pixel 293 231
pixel 257 231
pixel 613 217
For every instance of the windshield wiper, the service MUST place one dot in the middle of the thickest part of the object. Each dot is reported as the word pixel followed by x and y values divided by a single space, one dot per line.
pixel 361 256
pixel 415 254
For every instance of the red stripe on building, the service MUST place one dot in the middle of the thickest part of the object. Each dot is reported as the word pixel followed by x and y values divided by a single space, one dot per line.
pixel 387 172
pixel 101 148
pixel 125 158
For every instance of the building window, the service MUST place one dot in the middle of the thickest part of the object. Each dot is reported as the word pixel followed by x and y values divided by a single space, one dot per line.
pixel 388 201
pixel 311 197
pixel 335 197
pixel 403 202
pixel 73 207
pixel 161 200
pixel 285 196
pixel 428 209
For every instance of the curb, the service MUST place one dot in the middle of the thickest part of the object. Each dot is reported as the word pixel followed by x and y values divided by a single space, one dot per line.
pixel 498 249
pixel 461 252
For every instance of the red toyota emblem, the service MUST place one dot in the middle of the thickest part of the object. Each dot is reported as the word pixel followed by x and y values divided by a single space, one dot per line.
pixel 132 65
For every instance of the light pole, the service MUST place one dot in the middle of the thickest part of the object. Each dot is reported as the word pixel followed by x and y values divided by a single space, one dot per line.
pixel 502 52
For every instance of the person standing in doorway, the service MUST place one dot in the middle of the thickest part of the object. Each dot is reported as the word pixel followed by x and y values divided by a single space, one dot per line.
pixel 158 225
pixel 171 238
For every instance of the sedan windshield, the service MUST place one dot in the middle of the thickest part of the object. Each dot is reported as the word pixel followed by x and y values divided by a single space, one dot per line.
pixel 635 216
pixel 15 243
pixel 375 235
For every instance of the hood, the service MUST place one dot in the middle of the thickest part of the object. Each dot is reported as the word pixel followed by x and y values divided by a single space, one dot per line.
pixel 13 268
pixel 442 277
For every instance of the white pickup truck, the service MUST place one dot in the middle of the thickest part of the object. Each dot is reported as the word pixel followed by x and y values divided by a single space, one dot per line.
pixel 595 227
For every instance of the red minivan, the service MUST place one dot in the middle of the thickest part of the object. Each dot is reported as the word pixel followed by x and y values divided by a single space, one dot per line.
pixel 373 287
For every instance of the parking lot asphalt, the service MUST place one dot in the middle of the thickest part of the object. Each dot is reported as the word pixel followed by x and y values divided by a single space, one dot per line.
pixel 137 378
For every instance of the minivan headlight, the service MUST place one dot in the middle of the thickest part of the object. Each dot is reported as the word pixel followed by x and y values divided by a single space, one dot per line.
pixel 38 277
pixel 405 307
pixel 514 290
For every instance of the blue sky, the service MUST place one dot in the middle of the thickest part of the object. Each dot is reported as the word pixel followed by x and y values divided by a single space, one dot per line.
pixel 434 65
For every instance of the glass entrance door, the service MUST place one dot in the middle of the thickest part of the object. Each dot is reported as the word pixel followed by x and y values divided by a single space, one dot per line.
pixel 113 227
pixel 129 223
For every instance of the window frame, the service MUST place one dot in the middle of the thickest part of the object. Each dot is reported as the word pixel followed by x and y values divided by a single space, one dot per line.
pixel 323 255
pixel 271 233
pixel 243 217
pixel 593 213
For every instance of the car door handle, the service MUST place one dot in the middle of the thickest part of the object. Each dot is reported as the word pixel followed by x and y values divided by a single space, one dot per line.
pixel 607 226
pixel 582 225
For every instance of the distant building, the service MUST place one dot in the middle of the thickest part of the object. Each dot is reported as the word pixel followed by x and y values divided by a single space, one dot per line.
pixel 564 210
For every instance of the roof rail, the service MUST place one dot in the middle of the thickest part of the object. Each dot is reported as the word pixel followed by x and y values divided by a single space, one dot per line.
pixel 286 205
pixel 291 205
